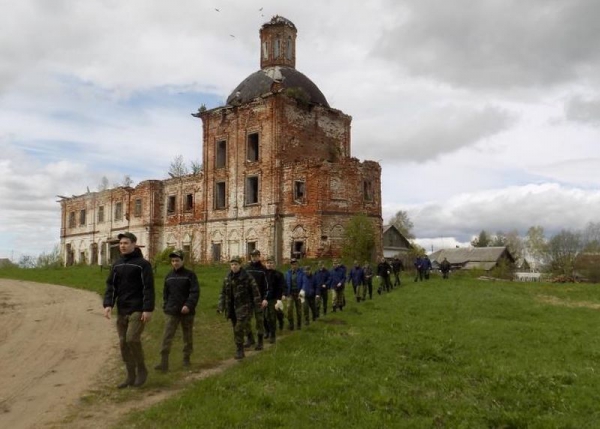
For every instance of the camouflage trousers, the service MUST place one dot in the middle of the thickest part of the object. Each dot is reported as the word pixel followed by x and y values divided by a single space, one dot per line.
pixel 240 328
pixel 338 298
pixel 293 302
pixel 129 328
pixel 187 328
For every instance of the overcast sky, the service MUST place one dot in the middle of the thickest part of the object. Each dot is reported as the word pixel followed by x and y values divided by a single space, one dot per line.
pixel 484 114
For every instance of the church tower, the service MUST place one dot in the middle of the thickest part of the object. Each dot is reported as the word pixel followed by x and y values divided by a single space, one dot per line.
pixel 278 43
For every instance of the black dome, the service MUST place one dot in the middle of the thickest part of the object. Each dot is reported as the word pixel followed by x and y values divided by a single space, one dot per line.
pixel 259 83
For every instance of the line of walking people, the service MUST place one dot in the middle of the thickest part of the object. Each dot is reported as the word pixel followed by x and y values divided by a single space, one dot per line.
pixel 261 292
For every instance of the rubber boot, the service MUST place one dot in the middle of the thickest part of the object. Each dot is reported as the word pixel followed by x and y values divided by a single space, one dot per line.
pixel 142 371
pixel 163 366
pixel 129 366
pixel 130 377
pixel 250 341
pixel 239 354
pixel 259 346
pixel 186 362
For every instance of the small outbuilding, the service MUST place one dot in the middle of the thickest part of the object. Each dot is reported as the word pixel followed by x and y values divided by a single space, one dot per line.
pixel 473 258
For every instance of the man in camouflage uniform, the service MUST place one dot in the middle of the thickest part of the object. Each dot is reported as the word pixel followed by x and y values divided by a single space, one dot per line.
pixel 239 299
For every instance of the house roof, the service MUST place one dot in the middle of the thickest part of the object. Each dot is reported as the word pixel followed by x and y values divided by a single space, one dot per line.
pixel 392 228
pixel 471 255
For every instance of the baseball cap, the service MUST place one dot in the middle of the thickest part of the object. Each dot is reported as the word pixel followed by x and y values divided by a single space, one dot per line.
pixel 129 235
pixel 293 261
pixel 236 259
pixel 270 259
pixel 176 254
pixel 255 252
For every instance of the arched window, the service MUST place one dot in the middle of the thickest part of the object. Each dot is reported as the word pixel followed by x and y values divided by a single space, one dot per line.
pixel 277 48
pixel 265 49
pixel 288 49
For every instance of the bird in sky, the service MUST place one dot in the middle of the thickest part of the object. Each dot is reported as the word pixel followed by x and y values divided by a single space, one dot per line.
pixel 217 10
pixel 231 35
pixel 260 9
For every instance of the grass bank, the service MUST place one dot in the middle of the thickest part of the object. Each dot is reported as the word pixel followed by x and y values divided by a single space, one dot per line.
pixel 461 353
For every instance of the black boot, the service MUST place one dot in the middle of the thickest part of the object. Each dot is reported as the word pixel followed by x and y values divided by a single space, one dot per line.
pixel 259 346
pixel 250 341
pixel 163 366
pixel 272 337
pixel 239 354
pixel 186 362
pixel 130 377
pixel 142 371
pixel 129 365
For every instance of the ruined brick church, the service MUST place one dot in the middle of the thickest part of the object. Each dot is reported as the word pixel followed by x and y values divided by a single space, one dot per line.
pixel 277 176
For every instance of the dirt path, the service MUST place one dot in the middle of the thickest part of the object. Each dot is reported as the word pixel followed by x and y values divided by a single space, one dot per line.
pixel 56 349
pixel 53 342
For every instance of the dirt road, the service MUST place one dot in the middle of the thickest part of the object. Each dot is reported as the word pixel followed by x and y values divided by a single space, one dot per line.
pixel 54 341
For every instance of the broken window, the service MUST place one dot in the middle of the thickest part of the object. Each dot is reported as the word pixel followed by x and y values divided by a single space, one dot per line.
pixel 252 147
pixel 265 50
pixel 221 155
pixel 187 251
pixel 82 217
pixel 252 190
pixel 171 204
pixel 137 209
pixel 298 249
pixel 119 211
pixel 299 191
pixel 250 247
pixel 216 252
pixel 100 214
pixel 219 195
pixel 189 202
pixel 72 220
pixel 368 190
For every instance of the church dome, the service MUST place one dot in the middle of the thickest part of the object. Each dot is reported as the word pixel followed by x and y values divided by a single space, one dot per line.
pixel 261 83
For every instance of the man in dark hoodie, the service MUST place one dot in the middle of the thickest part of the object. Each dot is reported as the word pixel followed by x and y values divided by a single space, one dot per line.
pixel 130 286
pixel 180 297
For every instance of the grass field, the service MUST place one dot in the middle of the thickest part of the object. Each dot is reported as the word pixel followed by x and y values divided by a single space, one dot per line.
pixel 461 353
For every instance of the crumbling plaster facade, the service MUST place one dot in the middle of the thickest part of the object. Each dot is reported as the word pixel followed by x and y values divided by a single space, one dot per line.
pixel 278 175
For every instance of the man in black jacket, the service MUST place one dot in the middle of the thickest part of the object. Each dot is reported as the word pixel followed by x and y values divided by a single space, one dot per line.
pixel 180 297
pixel 130 286
pixel 275 284
pixel 257 270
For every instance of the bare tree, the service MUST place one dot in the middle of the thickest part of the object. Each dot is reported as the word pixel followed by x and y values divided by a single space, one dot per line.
pixel 535 245
pixel 178 167
pixel 103 185
pixel 401 221
pixel 127 180
pixel 196 167
pixel 562 252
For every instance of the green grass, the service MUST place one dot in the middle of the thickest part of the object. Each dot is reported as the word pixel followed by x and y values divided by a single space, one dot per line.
pixel 461 353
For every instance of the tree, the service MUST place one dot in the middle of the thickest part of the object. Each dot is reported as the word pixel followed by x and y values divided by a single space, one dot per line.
pixel 103 185
pixel 51 259
pixel 127 182
pixel 196 167
pixel 591 237
pixel 482 241
pixel 514 242
pixel 401 221
pixel 535 246
pixel 562 252
pixel 178 167
pixel 498 240
pixel 359 239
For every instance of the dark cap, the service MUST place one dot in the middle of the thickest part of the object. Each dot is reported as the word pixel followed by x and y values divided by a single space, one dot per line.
pixel 293 261
pixel 129 235
pixel 176 254
pixel 255 252
pixel 236 259
pixel 270 259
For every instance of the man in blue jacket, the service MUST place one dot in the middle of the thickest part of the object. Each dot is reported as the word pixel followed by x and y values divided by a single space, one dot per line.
pixel 337 281
pixel 322 281
pixel 181 292
pixel 130 286
pixel 310 294
pixel 293 285
pixel 357 277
